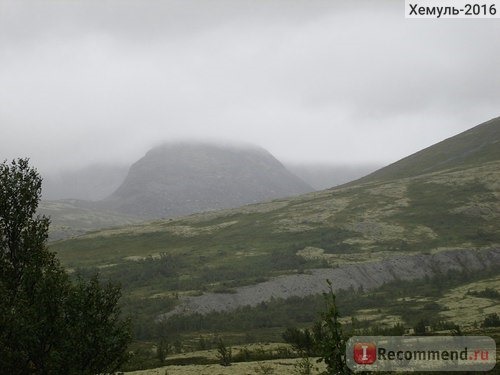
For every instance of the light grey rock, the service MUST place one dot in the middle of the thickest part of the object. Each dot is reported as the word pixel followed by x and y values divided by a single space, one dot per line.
pixel 367 275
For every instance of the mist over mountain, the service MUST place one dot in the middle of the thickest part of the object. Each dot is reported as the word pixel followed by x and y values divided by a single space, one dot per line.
pixel 183 178
pixel 91 183
pixel 324 176
pixel 96 182
pixel 177 179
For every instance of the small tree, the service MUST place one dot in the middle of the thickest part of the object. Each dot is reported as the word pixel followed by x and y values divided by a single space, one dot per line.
pixel 163 346
pixel 224 354
pixel 162 350
pixel 300 340
pixel 491 320
pixel 329 337
pixel 420 327
pixel 48 325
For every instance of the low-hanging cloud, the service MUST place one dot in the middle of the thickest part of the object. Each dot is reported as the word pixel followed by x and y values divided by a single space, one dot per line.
pixel 333 81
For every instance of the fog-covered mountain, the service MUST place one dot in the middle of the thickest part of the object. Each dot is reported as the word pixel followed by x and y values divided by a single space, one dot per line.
pixel 432 214
pixel 177 179
pixel 324 176
pixel 182 178
pixel 91 183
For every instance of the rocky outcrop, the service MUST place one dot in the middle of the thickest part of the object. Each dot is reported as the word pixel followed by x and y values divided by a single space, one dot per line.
pixel 367 275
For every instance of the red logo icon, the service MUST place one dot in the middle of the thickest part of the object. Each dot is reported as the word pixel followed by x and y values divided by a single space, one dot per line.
pixel 365 353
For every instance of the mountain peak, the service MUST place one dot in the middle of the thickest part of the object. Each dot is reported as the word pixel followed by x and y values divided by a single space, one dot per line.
pixel 185 177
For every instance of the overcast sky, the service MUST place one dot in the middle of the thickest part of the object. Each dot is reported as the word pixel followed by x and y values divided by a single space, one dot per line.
pixel 332 81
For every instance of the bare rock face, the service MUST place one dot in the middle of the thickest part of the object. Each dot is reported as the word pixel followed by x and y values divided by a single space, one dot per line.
pixel 184 178
pixel 367 275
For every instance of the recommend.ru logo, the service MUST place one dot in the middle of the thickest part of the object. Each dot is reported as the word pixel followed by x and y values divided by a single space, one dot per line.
pixel 421 353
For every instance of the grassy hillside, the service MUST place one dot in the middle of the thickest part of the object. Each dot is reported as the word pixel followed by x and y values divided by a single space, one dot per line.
pixel 457 208
pixel 442 198
pixel 70 218
pixel 378 218
pixel 470 148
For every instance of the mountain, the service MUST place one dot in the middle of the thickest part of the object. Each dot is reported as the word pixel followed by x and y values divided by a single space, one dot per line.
pixel 399 251
pixel 473 147
pixel 323 176
pixel 182 178
pixel 430 214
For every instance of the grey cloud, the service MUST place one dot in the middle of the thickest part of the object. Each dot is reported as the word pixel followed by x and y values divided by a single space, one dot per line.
pixel 334 81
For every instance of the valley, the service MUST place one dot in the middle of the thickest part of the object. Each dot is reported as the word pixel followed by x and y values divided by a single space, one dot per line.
pixel 394 233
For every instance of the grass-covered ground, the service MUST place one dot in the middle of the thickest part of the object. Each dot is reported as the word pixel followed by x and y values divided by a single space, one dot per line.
pixel 158 263
pixel 268 367
pixel 393 309
pixel 472 298
pixel 369 222
pixel 70 218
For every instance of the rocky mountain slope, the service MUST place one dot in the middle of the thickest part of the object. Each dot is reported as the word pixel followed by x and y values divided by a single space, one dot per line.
pixel 183 178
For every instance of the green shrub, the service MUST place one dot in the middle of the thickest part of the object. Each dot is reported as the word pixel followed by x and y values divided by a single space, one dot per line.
pixel 491 320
